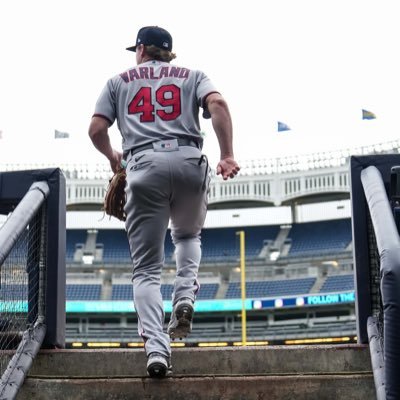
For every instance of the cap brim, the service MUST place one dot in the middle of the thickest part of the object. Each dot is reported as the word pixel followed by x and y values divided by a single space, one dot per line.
pixel 132 48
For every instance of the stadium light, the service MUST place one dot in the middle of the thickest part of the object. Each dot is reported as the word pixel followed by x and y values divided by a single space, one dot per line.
pixel 256 343
pixel 319 340
pixel 104 344
pixel 213 344
pixel 330 263
pixel 88 259
pixel 178 344
pixel 273 256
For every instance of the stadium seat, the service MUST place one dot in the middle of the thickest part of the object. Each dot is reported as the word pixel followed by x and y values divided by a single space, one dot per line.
pixel 13 292
pixel 115 246
pixel 83 292
pixel 74 237
pixel 316 238
pixel 125 291
pixel 338 283
pixel 218 245
pixel 271 288
pixel 222 244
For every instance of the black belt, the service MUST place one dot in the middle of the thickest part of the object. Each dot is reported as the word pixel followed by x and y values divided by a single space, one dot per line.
pixel 181 142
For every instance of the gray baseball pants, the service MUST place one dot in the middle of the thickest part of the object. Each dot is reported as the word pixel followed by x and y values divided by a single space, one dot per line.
pixel 163 186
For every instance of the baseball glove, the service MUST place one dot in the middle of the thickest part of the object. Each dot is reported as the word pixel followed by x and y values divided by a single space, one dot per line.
pixel 115 198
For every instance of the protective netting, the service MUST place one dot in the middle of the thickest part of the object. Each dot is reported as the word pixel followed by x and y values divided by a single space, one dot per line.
pixel 375 278
pixel 21 288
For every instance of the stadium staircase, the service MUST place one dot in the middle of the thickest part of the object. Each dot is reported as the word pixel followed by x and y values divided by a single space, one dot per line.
pixel 341 372
pixel 90 245
pixel 106 290
pixel 222 289
pixel 318 285
pixel 279 242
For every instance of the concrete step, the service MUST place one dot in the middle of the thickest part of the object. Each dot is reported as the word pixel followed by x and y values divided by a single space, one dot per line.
pixel 302 387
pixel 249 360
pixel 341 372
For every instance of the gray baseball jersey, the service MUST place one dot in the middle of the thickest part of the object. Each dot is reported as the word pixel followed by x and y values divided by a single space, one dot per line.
pixel 155 101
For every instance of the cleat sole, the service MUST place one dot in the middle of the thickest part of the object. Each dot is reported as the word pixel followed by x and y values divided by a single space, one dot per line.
pixel 157 370
pixel 184 316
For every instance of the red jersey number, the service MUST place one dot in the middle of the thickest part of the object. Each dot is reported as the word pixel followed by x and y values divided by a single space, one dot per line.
pixel 167 96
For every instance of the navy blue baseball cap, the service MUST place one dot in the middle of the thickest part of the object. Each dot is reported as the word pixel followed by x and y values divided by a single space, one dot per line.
pixel 153 35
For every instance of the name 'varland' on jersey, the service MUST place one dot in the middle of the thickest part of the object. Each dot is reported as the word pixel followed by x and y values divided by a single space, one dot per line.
pixel 149 73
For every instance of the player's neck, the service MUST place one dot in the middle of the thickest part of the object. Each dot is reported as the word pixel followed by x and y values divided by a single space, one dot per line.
pixel 145 59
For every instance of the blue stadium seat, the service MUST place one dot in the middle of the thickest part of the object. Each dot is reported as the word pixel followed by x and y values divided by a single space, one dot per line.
pixel 13 292
pixel 125 291
pixel 207 291
pixel 338 283
pixel 121 292
pixel 166 291
pixel 315 238
pixel 83 292
pixel 222 244
pixel 74 237
pixel 271 288
pixel 219 244
pixel 115 245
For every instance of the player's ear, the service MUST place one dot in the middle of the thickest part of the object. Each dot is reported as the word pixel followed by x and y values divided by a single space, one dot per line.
pixel 141 49
pixel 140 52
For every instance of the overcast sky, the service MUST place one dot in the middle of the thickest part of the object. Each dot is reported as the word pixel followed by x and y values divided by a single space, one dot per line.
pixel 312 64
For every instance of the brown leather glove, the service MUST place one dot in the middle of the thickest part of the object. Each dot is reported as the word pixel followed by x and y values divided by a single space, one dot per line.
pixel 115 198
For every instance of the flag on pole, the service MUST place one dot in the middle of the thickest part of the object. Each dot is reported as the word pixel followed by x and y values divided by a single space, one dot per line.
pixel 60 135
pixel 283 127
pixel 368 114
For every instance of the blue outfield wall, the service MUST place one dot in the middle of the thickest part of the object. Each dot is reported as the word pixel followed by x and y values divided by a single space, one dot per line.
pixel 200 306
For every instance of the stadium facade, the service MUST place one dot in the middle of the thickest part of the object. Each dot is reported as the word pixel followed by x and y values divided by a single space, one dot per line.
pixel 296 216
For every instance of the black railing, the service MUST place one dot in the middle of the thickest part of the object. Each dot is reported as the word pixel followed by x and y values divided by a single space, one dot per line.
pixel 32 271
pixel 377 265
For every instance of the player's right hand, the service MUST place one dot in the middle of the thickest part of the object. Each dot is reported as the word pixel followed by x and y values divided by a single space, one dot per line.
pixel 115 161
pixel 228 168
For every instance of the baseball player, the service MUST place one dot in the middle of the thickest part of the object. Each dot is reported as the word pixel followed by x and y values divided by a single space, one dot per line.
pixel 156 106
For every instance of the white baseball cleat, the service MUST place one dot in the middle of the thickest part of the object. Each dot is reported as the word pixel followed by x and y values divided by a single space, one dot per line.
pixel 158 366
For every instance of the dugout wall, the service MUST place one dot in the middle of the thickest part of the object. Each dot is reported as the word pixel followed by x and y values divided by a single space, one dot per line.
pixel 374 180
pixel 13 187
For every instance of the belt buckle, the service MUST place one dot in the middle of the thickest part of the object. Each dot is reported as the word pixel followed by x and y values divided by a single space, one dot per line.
pixel 166 145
